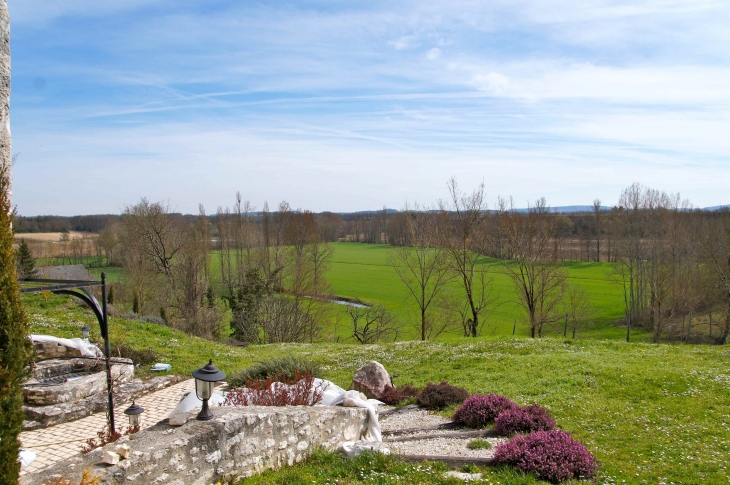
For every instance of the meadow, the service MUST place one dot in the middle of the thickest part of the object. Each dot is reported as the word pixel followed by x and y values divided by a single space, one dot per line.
pixel 651 413
pixel 362 272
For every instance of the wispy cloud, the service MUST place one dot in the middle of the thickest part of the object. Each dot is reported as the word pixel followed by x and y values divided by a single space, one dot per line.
pixel 538 98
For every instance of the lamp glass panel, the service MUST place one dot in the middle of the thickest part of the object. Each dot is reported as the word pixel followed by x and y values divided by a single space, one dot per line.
pixel 134 420
pixel 203 389
pixel 85 333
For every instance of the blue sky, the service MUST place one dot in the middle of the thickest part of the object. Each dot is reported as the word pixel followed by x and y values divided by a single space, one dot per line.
pixel 347 106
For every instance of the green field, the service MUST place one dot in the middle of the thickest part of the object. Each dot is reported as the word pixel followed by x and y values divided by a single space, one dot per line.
pixel 362 271
pixel 651 413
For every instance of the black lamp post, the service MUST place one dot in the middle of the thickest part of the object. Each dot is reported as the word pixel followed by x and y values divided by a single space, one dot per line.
pixel 134 411
pixel 205 379
pixel 85 332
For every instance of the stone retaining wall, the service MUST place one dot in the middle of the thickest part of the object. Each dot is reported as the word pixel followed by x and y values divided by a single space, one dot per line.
pixel 122 370
pixel 44 416
pixel 237 442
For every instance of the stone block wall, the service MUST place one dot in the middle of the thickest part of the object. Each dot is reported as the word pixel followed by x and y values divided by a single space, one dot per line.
pixel 122 370
pixel 49 350
pixel 236 442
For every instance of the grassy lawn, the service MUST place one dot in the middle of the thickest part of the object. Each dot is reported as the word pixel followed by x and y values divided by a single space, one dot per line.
pixel 362 271
pixel 650 413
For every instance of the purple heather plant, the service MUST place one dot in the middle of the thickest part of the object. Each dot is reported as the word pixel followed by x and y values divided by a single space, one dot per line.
pixel 523 420
pixel 552 455
pixel 480 410
pixel 439 396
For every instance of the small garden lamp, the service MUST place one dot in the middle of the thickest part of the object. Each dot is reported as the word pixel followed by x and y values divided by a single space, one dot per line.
pixel 85 332
pixel 205 379
pixel 134 412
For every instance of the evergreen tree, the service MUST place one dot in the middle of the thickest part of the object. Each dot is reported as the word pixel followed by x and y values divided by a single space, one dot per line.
pixel 25 261
pixel 14 346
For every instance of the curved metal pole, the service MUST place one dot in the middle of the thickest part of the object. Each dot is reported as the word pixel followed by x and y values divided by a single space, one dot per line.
pixel 90 302
pixel 101 315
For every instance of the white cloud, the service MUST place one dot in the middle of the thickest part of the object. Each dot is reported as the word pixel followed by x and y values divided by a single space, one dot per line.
pixel 433 54
pixel 334 108
pixel 404 42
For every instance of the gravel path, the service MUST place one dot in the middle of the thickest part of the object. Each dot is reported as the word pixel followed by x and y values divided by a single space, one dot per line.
pixel 442 447
pixel 421 445
pixel 421 418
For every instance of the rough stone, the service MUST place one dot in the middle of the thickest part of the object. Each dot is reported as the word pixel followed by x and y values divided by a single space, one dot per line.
pixel 110 458
pixel 123 450
pixel 240 441
pixel 371 379
pixel 90 380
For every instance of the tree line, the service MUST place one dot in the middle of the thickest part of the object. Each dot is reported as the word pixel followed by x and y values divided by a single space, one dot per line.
pixel 270 266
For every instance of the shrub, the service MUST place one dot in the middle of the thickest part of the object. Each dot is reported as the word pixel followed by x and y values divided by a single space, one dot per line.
pixel 523 420
pixel 395 394
pixel 15 348
pixel 141 357
pixel 143 318
pixel 480 410
pixel 551 455
pixel 439 396
pixel 286 368
pixel 277 391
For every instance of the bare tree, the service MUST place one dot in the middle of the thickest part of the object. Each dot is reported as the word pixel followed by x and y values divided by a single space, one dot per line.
pixel 424 267
pixel 598 227
pixel 538 278
pixel 319 254
pixel 715 246
pixel 577 307
pixel 191 273
pixel 373 324
pixel 152 232
pixel 167 262
pixel 463 235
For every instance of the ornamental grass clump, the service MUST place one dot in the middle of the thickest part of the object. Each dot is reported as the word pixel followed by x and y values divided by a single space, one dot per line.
pixel 480 410
pixel 439 396
pixel 551 455
pixel 523 420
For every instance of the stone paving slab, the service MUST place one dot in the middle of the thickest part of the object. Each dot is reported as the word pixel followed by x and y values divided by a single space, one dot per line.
pixel 63 441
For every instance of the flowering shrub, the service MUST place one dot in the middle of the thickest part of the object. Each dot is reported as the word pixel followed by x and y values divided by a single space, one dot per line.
pixel 551 455
pixel 277 367
pixel 299 390
pixel 523 420
pixel 395 394
pixel 480 410
pixel 438 396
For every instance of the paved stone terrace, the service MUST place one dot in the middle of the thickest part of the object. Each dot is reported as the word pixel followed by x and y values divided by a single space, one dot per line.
pixel 62 441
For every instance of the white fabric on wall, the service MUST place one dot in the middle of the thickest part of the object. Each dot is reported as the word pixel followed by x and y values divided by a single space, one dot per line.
pixel 86 348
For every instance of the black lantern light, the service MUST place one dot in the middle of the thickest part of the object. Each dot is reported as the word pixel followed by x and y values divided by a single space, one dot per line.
pixel 205 379
pixel 85 332
pixel 134 412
